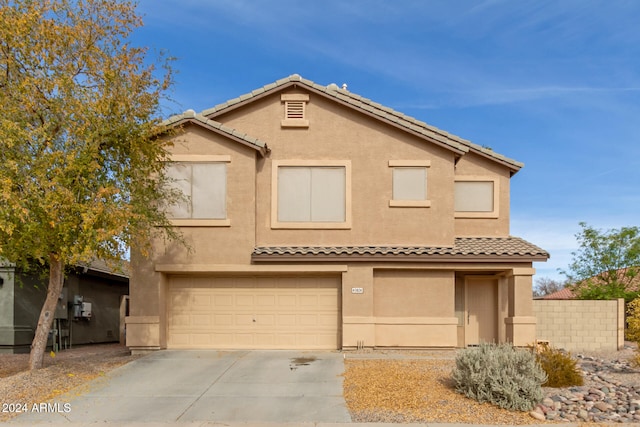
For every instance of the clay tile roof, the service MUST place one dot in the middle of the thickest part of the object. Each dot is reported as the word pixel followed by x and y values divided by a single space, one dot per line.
pixel 191 116
pixel 375 109
pixel 565 293
pixel 464 249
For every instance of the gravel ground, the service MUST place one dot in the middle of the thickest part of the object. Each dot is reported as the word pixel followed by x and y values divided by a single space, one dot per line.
pixel 404 387
pixel 67 370
pixel 412 391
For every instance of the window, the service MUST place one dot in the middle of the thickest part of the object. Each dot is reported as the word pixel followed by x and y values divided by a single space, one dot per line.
pixel 476 197
pixel 295 110
pixel 203 181
pixel 409 183
pixel 311 194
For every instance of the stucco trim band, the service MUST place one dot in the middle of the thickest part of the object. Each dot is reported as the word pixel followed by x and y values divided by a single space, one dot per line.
pixel 358 320
pixel 243 268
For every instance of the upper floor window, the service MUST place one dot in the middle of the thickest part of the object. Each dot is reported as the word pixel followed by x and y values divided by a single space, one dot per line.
pixel 311 194
pixel 409 186
pixel 295 106
pixel 476 197
pixel 203 181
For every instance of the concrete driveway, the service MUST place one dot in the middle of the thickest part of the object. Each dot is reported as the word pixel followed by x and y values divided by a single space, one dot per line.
pixel 188 386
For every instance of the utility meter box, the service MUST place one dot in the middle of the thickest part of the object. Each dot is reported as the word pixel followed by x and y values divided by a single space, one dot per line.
pixel 61 307
pixel 77 306
pixel 86 310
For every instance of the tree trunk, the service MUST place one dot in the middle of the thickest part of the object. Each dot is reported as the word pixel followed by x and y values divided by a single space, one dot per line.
pixel 39 344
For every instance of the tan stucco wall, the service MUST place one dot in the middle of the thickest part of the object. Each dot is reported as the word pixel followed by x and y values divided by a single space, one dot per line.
pixel 145 304
pixel 520 321
pixel 475 165
pixel 420 315
pixel 411 293
pixel 225 244
pixel 334 133
pixel 581 325
pixel 398 308
pixel 339 133
pixel 401 304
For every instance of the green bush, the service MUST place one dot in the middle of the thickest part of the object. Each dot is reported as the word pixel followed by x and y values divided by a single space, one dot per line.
pixel 561 369
pixel 500 374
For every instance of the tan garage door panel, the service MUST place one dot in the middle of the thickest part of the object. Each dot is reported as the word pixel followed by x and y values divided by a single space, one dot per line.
pixel 253 312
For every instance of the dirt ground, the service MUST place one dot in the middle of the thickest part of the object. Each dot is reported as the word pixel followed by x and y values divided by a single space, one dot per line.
pixel 64 371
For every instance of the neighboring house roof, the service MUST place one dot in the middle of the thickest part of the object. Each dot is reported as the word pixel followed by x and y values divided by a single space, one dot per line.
pixel 102 268
pixel 565 293
pixel 98 266
pixel 459 145
pixel 632 284
pixel 470 249
pixel 192 117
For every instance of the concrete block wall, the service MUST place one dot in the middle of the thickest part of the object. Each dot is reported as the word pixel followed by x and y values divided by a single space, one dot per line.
pixel 580 325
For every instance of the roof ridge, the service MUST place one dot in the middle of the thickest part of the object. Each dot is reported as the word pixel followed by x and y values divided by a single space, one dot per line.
pixel 192 116
pixel 402 115
pixel 408 122
pixel 432 128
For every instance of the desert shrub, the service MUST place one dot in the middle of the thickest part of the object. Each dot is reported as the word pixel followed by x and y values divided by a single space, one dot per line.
pixel 561 369
pixel 633 320
pixel 635 359
pixel 633 327
pixel 500 374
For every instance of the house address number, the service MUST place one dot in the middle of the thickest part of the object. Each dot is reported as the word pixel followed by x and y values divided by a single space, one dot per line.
pixel 357 290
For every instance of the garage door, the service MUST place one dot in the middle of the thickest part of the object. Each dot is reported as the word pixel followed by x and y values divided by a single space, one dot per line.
pixel 253 312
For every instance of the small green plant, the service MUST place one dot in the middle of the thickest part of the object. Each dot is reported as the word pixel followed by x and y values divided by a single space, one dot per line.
pixel 500 374
pixel 561 369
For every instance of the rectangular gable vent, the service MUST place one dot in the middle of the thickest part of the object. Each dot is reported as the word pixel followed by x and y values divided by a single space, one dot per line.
pixel 295 110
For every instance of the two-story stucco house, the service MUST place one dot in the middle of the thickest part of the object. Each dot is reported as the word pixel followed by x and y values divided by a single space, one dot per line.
pixel 319 219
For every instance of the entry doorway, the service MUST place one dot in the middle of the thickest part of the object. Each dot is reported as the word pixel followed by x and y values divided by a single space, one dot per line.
pixel 481 310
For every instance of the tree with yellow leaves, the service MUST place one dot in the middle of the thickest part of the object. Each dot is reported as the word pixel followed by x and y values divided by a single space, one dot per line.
pixel 80 167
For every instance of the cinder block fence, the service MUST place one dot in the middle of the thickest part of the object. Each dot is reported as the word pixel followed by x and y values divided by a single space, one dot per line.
pixel 580 325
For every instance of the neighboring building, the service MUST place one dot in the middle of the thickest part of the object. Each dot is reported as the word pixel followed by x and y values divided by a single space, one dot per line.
pixel 97 321
pixel 319 219
pixel 631 285
pixel 564 293
pixel 627 277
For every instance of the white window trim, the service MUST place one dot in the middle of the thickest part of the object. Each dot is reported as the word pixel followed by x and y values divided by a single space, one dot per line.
pixel 410 164
pixel 495 213
pixel 275 224
pixel 201 158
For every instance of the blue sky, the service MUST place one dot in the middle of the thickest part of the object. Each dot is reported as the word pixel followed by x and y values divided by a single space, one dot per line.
pixel 553 84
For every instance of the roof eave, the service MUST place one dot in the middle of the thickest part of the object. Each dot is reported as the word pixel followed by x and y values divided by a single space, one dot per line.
pixel 180 121
pixel 397 258
pixel 513 165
